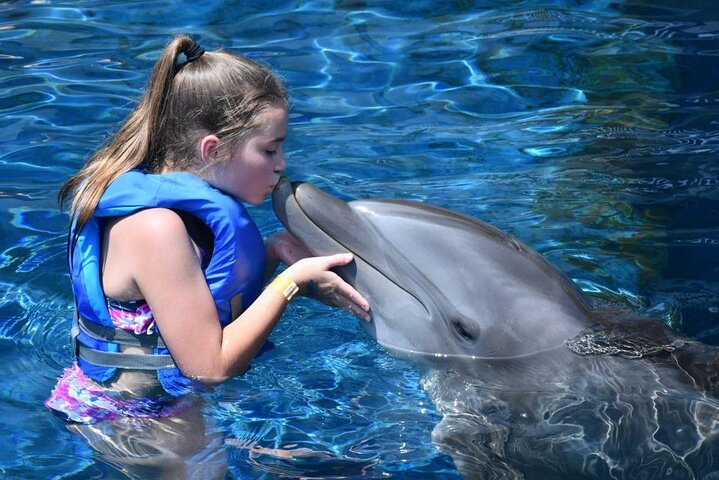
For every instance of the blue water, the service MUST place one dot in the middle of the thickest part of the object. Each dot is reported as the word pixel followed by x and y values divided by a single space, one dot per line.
pixel 589 129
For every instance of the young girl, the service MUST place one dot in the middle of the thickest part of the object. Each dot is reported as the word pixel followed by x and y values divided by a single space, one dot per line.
pixel 167 267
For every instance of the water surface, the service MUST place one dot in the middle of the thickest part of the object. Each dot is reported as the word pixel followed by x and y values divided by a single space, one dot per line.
pixel 588 129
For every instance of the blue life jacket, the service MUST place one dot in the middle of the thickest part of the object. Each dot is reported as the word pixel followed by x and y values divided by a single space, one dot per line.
pixel 236 267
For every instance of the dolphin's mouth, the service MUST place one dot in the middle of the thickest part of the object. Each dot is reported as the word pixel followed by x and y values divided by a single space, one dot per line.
pixel 433 356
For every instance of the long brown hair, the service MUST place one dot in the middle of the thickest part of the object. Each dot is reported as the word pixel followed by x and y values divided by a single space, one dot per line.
pixel 218 93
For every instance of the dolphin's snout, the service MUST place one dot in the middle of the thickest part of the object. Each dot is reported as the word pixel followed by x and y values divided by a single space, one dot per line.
pixel 331 214
pixel 283 189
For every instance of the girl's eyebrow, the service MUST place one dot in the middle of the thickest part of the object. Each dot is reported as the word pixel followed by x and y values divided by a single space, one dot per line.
pixel 278 140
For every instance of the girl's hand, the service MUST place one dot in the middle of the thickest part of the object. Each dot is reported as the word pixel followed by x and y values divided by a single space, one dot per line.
pixel 314 277
pixel 286 248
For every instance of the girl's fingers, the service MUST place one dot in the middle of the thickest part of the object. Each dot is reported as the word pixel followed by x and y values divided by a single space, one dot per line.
pixel 350 294
pixel 337 260
pixel 358 312
pixel 350 299
pixel 352 307
pixel 311 267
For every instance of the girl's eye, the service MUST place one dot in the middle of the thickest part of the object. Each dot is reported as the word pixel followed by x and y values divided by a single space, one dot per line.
pixel 270 152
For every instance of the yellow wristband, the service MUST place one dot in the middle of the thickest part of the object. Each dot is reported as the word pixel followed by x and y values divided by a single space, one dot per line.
pixel 285 286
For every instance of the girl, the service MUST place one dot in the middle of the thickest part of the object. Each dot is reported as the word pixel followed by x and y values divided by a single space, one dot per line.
pixel 167 267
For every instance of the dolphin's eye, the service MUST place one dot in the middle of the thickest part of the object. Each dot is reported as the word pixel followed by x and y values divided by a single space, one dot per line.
pixel 462 330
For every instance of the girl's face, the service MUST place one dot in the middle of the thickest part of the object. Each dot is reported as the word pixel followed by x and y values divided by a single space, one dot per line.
pixel 255 166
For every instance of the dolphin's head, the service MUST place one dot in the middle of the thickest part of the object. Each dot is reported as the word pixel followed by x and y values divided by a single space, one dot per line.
pixel 439 284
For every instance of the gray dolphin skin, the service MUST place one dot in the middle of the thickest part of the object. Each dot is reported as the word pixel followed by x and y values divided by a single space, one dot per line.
pixel 532 383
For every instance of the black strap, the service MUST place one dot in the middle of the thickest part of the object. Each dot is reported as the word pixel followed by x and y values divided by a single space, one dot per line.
pixel 118 335
pixel 130 361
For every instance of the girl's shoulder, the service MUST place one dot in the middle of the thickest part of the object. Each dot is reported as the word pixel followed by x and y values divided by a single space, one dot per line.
pixel 149 231
pixel 152 223
pixel 136 245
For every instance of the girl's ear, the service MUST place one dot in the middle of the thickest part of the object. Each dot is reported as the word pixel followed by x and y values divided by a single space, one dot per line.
pixel 209 149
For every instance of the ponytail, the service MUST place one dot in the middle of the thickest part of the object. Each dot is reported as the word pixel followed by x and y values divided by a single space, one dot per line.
pixel 135 144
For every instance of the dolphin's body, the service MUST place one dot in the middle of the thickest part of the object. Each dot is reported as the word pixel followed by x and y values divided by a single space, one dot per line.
pixel 531 381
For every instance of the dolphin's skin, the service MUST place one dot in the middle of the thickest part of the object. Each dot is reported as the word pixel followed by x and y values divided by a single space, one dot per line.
pixel 531 382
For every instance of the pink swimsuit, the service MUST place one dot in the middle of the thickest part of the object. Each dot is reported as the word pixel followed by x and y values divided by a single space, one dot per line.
pixel 78 398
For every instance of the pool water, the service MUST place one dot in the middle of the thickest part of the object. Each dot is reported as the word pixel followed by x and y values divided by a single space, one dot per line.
pixel 588 129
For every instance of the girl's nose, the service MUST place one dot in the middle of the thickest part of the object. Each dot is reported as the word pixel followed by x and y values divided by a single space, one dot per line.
pixel 280 165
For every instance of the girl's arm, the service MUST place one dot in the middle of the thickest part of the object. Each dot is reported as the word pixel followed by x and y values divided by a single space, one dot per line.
pixel 162 263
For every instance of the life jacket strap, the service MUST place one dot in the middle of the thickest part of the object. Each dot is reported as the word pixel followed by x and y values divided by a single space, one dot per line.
pixel 118 335
pixel 129 361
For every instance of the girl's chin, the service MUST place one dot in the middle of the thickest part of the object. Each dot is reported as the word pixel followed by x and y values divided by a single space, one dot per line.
pixel 254 201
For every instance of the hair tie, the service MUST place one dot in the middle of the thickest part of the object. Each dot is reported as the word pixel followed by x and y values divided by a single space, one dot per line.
pixel 194 51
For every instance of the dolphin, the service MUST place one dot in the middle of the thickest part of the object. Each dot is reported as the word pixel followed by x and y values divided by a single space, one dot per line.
pixel 452 275
pixel 532 379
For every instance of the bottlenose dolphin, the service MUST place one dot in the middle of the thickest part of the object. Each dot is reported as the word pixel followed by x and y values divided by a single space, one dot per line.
pixel 437 281
pixel 533 382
